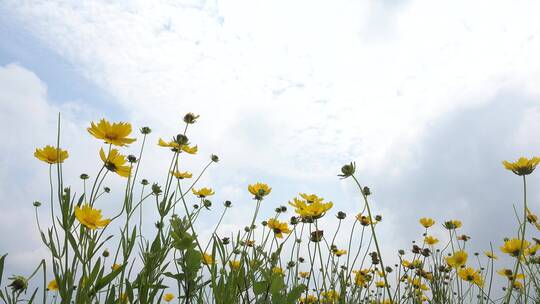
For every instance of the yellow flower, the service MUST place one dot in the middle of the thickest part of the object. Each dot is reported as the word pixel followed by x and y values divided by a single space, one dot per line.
pixel 470 275
pixel 531 217
pixel 177 147
pixel 181 175
pixel 116 133
pixel 234 264
pixel 523 166
pixel 311 198
pixel 507 273
pixel 490 255
pixel 53 285
pixel 277 270
pixel 115 266
pixel 259 190
pixel 380 284
pixel 430 240
pixel 330 295
pixel 361 277
pixel 427 222
pixel 458 259
pixel 51 155
pixel 364 220
pixel 314 210
pixel 203 192
pixel 514 247
pixel 303 274
pixel 168 297
pixel 278 227
pixel 115 162
pixel 417 284
pixel 207 259
pixel 453 224
pixel 340 252
pixel 310 299
pixel 91 218
pixel 123 297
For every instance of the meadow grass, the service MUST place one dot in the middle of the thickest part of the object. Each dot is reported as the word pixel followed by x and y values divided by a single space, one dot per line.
pixel 275 260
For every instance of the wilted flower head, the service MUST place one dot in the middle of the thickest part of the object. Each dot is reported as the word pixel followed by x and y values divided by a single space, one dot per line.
pixel 18 284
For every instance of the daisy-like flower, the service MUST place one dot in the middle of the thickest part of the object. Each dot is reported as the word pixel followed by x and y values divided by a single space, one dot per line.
pixel 490 255
pixel 452 224
pixel 90 218
pixel 259 190
pixel 311 211
pixel 458 259
pixel 427 222
pixel 51 155
pixel 364 220
pixel 234 264
pixel 309 299
pixel 470 275
pixel 303 274
pixel 115 266
pixel 340 252
pixel 417 284
pixel 168 297
pixel 278 227
pixel 53 285
pixel 331 296
pixel 430 240
pixel 207 259
pixel 203 192
pixel 115 162
pixel 515 247
pixel 523 166
pixel 361 277
pixel 277 270
pixel 380 284
pixel 181 175
pixel 311 198
pixel 507 273
pixel 177 147
pixel 115 134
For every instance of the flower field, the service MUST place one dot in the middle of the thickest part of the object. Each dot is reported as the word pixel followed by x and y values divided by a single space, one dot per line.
pixel 290 257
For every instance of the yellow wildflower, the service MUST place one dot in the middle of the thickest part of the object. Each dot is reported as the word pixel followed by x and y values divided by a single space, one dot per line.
pixel 53 285
pixel 490 255
pixel 380 284
pixel 458 259
pixel 115 266
pixel 234 264
pixel 277 270
pixel 51 155
pixel 310 299
pixel 115 162
pixel 90 218
pixel 427 222
pixel 207 259
pixel 181 175
pixel 417 284
pixel 430 240
pixel 311 198
pixel 115 134
pixel 523 166
pixel 515 246
pixel 314 210
pixel 177 147
pixel 278 227
pixel 330 295
pixel 168 297
pixel 470 275
pixel 340 252
pixel 203 192
pixel 303 274
pixel 259 190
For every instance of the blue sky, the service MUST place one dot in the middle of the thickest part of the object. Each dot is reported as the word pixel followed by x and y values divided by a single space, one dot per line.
pixel 427 97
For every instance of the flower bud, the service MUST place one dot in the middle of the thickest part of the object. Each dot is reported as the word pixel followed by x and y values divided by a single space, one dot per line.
pixel 18 284
pixel 316 236
pixel 348 170
pixel 181 139
pixel 146 130
pixel 144 182
pixel 341 215
pixel 107 189
pixel 132 159
pixel 36 204
pixel 105 253
pixel 84 176
pixel 225 240
pixel 156 189
pixel 190 118
pixel 214 158
pixel 227 204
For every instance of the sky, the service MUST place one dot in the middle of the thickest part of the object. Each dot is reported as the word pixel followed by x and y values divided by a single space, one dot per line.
pixel 427 97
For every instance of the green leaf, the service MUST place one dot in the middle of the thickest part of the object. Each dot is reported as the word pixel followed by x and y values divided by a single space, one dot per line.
pixel 108 278
pixel 295 293
pixel 260 287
